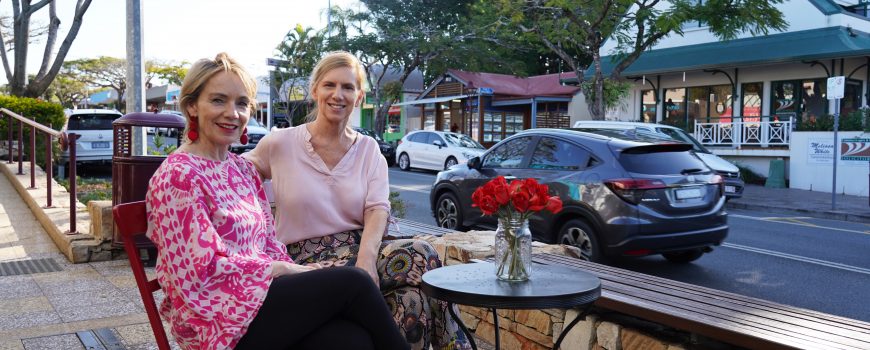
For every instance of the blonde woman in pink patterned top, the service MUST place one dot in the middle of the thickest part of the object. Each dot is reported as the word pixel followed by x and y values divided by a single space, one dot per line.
pixel 229 283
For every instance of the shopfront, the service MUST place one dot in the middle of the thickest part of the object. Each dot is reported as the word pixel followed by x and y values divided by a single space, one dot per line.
pixel 491 107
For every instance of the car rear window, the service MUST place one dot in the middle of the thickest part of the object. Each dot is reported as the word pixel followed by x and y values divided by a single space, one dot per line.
pixel 95 121
pixel 660 161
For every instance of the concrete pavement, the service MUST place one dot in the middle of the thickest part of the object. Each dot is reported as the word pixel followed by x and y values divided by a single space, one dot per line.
pixel 803 203
pixel 59 305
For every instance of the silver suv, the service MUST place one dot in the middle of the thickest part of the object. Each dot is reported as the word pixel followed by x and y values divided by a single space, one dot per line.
pixel 95 128
pixel 729 172
pixel 622 196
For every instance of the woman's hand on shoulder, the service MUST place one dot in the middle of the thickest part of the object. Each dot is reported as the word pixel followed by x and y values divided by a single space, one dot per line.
pixel 281 268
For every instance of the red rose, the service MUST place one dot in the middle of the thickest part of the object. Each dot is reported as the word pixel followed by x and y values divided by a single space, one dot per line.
pixel 539 198
pixel 488 205
pixel 520 200
pixel 500 190
pixel 554 205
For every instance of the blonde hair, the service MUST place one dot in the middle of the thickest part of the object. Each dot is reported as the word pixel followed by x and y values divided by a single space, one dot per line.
pixel 334 60
pixel 202 71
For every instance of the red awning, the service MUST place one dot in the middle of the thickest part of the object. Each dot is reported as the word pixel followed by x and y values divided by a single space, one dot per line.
pixel 395 110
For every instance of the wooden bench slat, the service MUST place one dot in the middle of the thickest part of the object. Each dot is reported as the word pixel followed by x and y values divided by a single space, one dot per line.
pixel 721 316
pixel 751 313
pixel 739 335
pixel 698 309
pixel 767 306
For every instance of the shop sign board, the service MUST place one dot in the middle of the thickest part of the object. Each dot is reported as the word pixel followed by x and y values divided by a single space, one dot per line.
pixel 852 151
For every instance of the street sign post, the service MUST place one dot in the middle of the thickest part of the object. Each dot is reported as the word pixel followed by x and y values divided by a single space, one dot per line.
pixel 484 91
pixel 836 88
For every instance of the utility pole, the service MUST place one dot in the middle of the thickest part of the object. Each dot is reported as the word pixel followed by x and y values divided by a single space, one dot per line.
pixel 135 98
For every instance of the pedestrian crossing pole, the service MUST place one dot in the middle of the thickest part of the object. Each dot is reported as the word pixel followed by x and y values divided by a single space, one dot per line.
pixel 836 87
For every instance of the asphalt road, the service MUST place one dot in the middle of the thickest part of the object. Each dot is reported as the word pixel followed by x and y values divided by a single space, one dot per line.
pixel 812 263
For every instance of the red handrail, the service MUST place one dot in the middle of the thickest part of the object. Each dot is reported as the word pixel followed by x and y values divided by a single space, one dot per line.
pixel 50 134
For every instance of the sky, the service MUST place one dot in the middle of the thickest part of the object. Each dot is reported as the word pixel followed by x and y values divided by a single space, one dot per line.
pixel 185 30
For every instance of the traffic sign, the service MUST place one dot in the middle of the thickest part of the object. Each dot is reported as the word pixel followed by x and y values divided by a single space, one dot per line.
pixel 484 91
pixel 836 87
pixel 274 62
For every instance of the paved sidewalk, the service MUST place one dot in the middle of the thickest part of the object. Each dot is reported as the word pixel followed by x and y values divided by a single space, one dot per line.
pixel 46 310
pixel 804 203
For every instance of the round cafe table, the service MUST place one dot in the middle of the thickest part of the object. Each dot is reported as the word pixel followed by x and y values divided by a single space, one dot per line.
pixel 550 286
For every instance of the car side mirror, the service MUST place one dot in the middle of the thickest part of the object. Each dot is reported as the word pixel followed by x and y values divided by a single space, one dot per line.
pixel 438 143
pixel 474 163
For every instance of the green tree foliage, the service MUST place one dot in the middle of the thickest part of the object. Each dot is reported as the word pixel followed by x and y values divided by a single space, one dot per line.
pixel 298 54
pixel 45 113
pixel 575 30
pixel 111 72
pixel 101 72
pixel 411 35
pixel 166 71
pixel 52 58
pixel 67 90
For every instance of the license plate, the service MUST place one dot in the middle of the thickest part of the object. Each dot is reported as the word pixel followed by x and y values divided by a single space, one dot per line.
pixel 100 144
pixel 730 189
pixel 688 193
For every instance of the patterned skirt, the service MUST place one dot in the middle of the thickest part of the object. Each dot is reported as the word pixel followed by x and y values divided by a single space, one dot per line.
pixel 401 264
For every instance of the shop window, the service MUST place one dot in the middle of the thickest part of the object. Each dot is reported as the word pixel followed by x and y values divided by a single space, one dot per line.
pixel 851 97
pixel 553 115
pixel 751 103
pixel 784 102
pixel 675 107
pixel 648 106
pixel 428 116
pixel 799 99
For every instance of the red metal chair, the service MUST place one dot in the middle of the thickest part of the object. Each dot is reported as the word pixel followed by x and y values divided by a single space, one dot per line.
pixel 132 223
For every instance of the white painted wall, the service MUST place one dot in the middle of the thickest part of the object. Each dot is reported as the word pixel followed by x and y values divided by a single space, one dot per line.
pixel 852 176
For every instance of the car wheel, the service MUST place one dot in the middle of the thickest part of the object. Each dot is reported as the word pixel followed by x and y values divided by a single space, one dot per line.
pixel 404 162
pixel 684 256
pixel 450 162
pixel 448 213
pixel 577 233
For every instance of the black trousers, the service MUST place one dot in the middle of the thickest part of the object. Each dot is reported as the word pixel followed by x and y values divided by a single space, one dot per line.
pixel 334 308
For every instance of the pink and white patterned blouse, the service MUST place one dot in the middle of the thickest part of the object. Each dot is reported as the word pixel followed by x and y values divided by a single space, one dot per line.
pixel 215 236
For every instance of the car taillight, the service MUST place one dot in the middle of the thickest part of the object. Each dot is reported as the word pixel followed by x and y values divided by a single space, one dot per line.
pixel 632 190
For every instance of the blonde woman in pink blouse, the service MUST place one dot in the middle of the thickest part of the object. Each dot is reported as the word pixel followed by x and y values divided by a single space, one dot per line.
pixel 332 190
pixel 229 283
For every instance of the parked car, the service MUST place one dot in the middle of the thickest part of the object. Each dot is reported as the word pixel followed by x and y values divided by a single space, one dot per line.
pixel 435 150
pixel 256 132
pixel 622 196
pixel 730 173
pixel 387 150
pixel 95 128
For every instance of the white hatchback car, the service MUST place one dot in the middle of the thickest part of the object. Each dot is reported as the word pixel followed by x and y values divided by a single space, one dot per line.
pixel 435 150
pixel 95 127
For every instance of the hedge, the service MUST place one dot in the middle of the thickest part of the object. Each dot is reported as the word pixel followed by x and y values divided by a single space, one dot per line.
pixel 855 121
pixel 46 113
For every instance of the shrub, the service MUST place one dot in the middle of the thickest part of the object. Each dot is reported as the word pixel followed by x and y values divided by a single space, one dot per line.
pixel 90 189
pixel 397 205
pixel 854 121
pixel 46 113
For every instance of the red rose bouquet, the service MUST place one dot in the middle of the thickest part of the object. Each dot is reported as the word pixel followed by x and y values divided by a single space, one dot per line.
pixel 514 203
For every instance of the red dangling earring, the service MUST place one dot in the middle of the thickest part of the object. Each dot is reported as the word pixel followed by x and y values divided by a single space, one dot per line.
pixel 244 139
pixel 192 134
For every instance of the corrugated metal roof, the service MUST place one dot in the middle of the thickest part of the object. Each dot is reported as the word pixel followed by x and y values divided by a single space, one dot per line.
pixel 503 84
pixel 825 43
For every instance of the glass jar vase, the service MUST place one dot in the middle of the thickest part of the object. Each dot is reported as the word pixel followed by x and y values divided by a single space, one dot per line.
pixel 513 250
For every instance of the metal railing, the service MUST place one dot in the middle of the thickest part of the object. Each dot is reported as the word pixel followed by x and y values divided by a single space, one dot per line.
pixel 50 134
pixel 756 131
